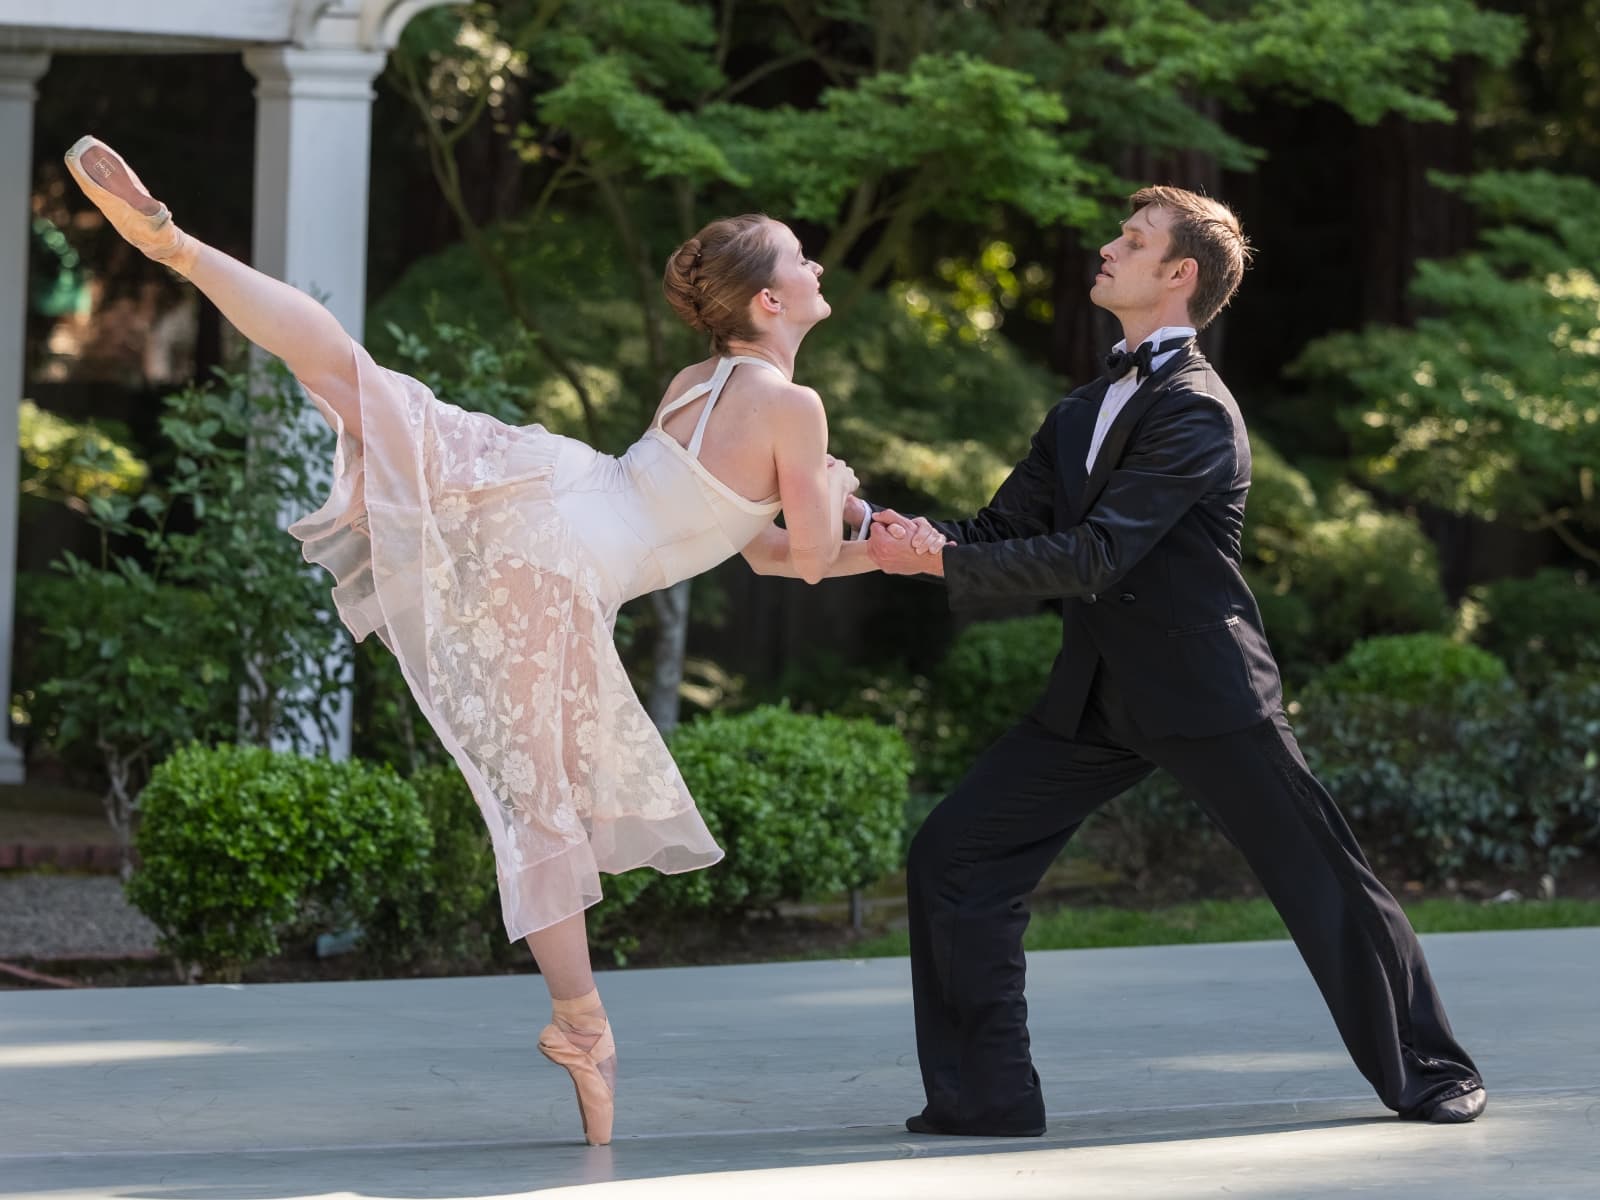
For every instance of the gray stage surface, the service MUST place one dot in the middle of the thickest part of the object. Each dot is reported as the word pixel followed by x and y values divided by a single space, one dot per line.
pixel 1170 1072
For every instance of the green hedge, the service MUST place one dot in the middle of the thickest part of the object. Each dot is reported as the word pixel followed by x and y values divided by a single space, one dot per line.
pixel 1467 778
pixel 992 674
pixel 242 849
pixel 1420 668
pixel 1545 623
pixel 1282 505
pixel 1356 576
pixel 111 657
pixel 1479 780
pixel 1154 835
pixel 453 914
pixel 803 805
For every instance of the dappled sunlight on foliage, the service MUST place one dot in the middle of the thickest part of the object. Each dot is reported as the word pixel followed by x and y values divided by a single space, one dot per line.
pixel 1370 60
pixel 980 293
pixel 1491 404
pixel 961 475
pixel 469 59
pixel 71 461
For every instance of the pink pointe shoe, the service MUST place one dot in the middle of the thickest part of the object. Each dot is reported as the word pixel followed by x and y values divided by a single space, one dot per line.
pixel 116 191
pixel 583 1016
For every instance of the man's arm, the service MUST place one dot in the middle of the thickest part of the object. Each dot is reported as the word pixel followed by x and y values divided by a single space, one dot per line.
pixel 1179 456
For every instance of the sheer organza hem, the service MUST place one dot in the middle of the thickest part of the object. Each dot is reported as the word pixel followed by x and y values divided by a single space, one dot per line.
pixel 671 846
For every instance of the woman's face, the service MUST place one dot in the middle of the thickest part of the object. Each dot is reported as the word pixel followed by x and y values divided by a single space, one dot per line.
pixel 796 280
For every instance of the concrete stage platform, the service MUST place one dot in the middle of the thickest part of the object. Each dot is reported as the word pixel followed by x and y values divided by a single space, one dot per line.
pixel 1170 1072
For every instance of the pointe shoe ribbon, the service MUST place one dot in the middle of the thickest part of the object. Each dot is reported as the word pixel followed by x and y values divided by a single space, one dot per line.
pixel 112 187
pixel 596 1105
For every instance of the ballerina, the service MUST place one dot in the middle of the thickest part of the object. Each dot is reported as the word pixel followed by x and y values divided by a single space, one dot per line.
pixel 492 560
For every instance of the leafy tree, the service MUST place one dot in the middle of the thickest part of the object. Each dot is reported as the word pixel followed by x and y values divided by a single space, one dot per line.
pixel 882 120
pixel 68 462
pixel 1491 405
pixel 200 620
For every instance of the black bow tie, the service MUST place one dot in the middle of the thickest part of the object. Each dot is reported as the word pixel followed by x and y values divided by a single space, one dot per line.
pixel 1120 362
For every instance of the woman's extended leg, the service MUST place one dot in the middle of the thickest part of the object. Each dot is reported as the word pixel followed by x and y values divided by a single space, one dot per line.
pixel 280 319
pixel 578 1036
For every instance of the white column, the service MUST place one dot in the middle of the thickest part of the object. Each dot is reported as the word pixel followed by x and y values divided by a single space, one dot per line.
pixel 313 152
pixel 18 74
pixel 313 149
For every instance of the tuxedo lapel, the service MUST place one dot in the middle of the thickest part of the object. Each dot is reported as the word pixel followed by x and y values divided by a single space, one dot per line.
pixel 1117 436
pixel 1073 436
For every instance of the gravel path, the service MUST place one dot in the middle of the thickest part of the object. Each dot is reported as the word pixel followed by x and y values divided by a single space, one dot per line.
pixel 60 916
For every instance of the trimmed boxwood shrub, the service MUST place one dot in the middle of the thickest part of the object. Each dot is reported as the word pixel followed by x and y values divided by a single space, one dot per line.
pixel 804 806
pixel 1430 789
pixel 243 848
pixel 1549 622
pixel 1560 780
pixel 1153 835
pixel 1421 668
pixel 1362 576
pixel 453 913
pixel 992 674
pixel 1475 779
pixel 1282 504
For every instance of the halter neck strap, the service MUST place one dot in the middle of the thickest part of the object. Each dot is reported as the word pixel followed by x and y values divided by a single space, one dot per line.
pixel 712 387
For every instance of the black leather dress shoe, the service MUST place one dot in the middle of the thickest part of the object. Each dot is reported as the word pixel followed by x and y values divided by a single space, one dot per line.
pixel 1455 1111
pixel 922 1124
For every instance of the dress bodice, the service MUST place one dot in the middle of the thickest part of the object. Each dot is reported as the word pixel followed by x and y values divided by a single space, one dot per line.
pixel 656 515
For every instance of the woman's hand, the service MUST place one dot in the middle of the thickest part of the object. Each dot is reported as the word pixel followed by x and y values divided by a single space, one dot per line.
pixel 855 511
pixel 841 476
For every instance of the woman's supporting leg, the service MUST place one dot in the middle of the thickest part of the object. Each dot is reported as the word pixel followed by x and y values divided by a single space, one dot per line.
pixel 562 952
pixel 579 1035
pixel 280 319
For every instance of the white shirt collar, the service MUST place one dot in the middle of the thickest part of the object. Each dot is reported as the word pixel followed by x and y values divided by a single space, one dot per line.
pixel 1165 333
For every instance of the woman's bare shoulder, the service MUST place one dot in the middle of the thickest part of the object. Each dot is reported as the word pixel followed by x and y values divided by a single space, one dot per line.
pixel 787 397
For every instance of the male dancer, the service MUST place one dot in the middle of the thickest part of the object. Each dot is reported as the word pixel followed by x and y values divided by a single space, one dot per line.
pixel 1128 507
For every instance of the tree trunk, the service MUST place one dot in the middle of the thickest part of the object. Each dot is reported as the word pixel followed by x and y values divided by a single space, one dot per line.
pixel 120 802
pixel 672 639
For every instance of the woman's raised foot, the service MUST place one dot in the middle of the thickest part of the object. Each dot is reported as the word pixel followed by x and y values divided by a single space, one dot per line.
pixel 111 185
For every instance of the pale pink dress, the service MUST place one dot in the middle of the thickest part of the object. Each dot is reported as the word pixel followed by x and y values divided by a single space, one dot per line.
pixel 492 559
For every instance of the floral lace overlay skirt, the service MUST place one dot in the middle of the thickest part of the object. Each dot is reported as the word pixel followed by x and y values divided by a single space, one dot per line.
pixel 443 539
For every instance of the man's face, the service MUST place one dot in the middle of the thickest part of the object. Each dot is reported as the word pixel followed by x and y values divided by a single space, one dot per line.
pixel 1132 275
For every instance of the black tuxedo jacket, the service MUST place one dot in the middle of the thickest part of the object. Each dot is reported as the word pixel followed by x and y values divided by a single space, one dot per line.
pixel 1143 552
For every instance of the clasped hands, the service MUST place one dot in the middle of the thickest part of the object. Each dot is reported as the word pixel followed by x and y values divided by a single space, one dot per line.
pixel 906 545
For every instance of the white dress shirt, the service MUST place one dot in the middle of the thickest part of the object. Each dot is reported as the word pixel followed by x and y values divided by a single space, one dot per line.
pixel 1120 390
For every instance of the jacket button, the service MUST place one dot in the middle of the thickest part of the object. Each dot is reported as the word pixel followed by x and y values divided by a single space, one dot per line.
pixel 1090 598
pixel 1127 597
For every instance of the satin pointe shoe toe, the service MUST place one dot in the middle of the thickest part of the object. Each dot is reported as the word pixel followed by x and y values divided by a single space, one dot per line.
pixel 584 1018
pixel 113 188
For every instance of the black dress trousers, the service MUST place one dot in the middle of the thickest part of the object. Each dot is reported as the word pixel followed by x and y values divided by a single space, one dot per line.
pixel 983 850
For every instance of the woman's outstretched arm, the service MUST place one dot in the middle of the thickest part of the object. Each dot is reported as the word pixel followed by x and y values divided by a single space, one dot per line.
pixel 769 555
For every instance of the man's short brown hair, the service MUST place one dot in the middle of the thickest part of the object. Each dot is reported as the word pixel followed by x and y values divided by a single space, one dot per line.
pixel 1207 231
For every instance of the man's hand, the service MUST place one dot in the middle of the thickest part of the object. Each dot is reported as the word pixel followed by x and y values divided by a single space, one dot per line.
pixel 905 546
pixel 855 511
